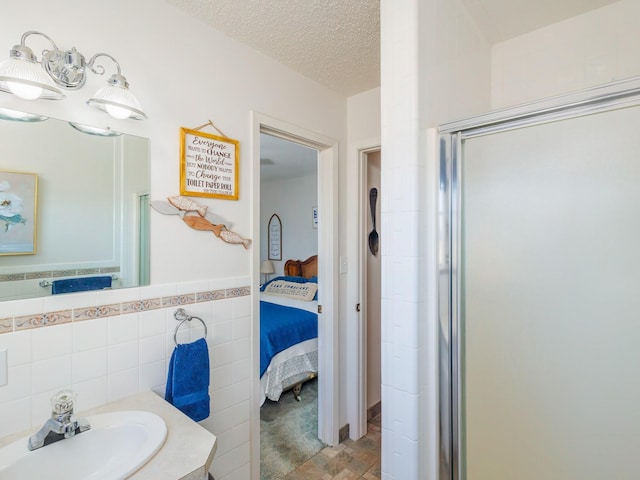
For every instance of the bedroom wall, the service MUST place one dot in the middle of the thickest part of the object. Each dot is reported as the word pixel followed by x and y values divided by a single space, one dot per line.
pixel 597 47
pixel 107 350
pixel 292 200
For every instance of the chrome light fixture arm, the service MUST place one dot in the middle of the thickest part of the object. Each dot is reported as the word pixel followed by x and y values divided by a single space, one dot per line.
pixel 99 69
pixel 117 79
pixel 23 52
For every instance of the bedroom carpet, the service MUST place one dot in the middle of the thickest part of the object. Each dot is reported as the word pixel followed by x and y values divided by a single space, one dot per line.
pixel 288 432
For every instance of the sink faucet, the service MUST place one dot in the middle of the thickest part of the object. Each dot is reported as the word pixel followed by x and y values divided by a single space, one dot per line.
pixel 62 424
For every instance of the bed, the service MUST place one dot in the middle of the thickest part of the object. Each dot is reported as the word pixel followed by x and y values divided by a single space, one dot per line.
pixel 289 329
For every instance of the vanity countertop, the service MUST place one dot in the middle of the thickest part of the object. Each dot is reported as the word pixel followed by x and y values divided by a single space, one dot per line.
pixel 188 449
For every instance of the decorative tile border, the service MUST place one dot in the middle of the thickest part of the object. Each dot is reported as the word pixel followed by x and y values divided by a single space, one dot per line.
pixel 6 325
pixel 141 305
pixel 42 320
pixel 46 319
pixel 210 296
pixel 16 277
pixel 177 300
pixel 100 311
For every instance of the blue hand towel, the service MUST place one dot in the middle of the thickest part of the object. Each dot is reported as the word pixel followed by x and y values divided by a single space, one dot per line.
pixel 188 379
pixel 80 284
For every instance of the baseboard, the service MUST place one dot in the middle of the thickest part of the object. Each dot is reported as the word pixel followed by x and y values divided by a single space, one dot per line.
pixel 343 434
pixel 374 410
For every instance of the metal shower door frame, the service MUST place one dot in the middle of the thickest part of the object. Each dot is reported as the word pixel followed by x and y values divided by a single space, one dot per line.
pixel 607 97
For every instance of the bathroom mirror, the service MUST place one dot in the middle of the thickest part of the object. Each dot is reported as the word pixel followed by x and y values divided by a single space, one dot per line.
pixel 90 206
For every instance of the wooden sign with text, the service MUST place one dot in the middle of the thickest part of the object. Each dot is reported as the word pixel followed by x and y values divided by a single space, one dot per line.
pixel 208 165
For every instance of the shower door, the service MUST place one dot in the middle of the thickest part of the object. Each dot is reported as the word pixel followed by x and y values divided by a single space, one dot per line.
pixel 544 297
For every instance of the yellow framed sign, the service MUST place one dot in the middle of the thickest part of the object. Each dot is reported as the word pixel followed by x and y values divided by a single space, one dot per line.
pixel 208 165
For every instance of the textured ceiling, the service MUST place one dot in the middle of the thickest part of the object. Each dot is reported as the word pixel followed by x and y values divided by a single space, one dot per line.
pixel 335 42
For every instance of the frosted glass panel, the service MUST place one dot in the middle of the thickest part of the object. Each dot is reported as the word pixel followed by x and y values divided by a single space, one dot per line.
pixel 551 301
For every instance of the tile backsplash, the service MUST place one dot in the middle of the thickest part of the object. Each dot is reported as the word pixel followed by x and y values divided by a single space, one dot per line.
pixel 113 343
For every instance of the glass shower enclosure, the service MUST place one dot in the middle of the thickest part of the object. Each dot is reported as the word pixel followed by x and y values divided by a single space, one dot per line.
pixel 540 290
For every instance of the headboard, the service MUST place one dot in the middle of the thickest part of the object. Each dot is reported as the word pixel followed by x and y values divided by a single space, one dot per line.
pixel 302 268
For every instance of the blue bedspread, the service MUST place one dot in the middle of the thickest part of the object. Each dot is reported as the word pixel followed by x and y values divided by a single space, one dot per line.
pixel 281 327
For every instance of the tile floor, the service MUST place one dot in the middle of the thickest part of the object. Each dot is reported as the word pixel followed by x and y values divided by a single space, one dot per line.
pixel 346 461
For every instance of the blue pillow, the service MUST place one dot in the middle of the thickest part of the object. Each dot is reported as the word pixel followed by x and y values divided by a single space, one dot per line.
pixel 292 279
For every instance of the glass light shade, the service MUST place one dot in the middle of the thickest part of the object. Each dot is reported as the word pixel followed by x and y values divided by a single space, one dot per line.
pixel 28 80
pixel 117 100
pixel 101 132
pixel 16 116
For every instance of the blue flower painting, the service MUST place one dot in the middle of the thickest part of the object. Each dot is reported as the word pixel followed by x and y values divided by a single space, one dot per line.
pixel 17 213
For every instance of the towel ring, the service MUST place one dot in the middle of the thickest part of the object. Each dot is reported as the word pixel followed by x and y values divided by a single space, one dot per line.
pixel 181 316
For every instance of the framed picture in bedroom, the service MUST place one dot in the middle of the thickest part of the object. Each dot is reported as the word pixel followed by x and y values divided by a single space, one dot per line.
pixel 208 165
pixel 274 234
pixel 18 213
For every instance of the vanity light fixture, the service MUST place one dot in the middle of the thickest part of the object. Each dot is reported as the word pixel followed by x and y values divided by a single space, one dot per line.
pixel 22 76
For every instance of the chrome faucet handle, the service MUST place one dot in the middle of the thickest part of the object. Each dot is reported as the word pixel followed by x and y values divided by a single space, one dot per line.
pixel 62 403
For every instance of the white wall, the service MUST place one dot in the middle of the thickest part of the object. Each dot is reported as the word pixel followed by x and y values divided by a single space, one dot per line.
pixel 209 76
pixel 591 49
pixel 292 200
pixel 182 79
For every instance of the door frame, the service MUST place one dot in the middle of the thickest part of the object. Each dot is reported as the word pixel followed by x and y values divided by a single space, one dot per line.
pixel 328 379
pixel 356 374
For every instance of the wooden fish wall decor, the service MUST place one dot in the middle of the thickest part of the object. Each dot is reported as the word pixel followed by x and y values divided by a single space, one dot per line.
pixel 198 218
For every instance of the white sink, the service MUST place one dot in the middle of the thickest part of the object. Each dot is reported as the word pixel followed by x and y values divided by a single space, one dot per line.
pixel 117 445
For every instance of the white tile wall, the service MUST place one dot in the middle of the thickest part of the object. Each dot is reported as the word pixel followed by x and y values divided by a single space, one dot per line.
pixel 109 358
pixel 436 67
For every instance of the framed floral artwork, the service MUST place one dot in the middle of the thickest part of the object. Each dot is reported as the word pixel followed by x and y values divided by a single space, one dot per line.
pixel 18 212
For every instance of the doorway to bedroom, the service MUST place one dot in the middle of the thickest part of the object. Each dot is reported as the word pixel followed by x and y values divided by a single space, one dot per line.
pixel 288 259
pixel 327 274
